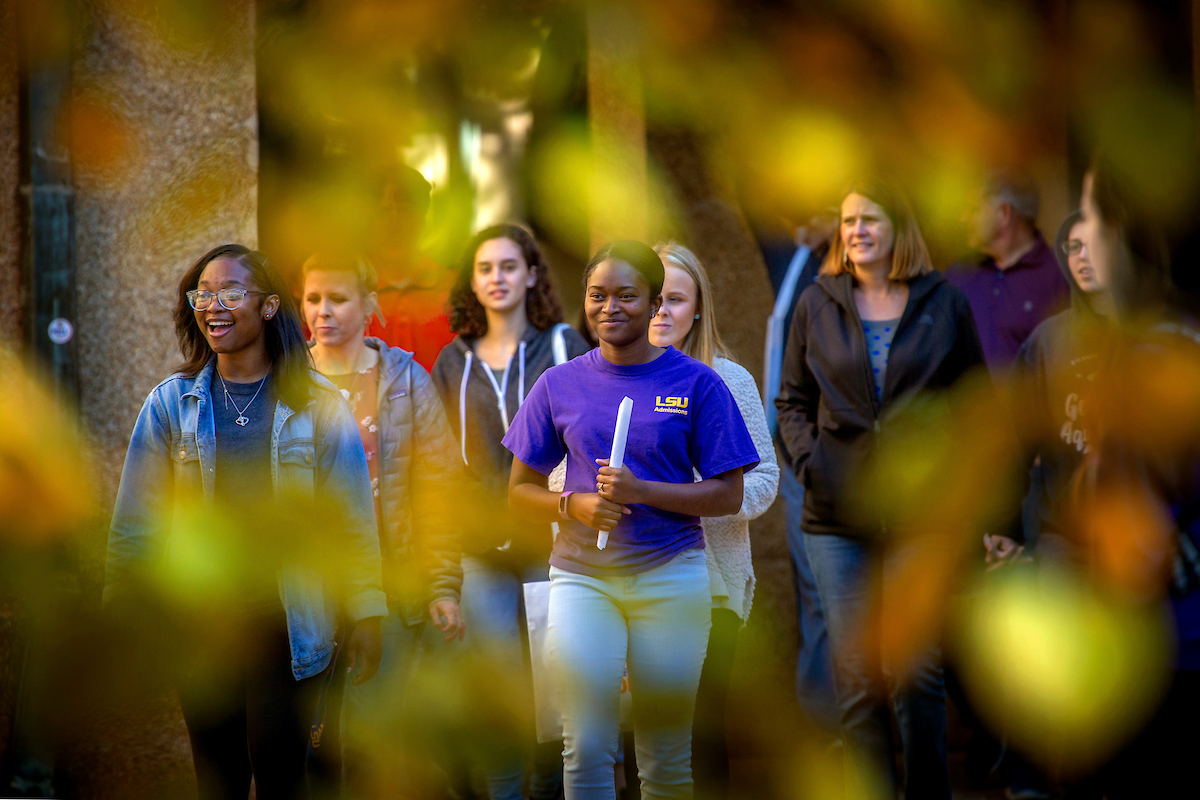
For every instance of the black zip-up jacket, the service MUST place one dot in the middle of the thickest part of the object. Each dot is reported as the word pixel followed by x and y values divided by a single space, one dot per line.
pixel 829 413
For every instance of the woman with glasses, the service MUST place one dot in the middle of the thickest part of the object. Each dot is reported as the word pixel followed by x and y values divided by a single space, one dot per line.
pixel 244 420
pixel 1056 369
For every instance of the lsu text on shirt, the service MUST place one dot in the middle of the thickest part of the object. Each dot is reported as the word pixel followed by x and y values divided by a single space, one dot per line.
pixel 683 417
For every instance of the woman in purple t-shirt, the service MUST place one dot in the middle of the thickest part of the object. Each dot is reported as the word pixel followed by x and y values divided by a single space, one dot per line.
pixel 643 601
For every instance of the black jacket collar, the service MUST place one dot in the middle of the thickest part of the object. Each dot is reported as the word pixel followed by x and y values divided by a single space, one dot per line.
pixel 840 288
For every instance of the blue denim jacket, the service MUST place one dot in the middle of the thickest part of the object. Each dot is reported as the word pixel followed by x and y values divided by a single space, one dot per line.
pixel 173 447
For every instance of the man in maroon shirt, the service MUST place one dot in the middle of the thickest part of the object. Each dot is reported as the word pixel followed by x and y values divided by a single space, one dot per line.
pixel 1016 282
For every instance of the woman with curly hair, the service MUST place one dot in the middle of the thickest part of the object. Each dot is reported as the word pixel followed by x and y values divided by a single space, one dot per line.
pixel 509 324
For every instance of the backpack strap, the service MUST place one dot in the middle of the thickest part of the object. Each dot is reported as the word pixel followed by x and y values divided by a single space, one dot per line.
pixel 559 343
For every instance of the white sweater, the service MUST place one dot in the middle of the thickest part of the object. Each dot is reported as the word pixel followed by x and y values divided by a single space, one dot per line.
pixel 727 539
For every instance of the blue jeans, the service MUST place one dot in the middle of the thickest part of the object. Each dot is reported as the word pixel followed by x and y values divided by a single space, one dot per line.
pixel 849 576
pixel 657 623
pixel 814 664
pixel 493 609
pixel 372 713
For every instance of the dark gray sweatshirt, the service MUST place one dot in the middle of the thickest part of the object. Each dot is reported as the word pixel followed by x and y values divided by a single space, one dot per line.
pixel 473 408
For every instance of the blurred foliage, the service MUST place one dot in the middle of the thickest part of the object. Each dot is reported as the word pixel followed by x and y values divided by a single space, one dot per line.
pixel 790 100
pixel 1066 672
pixel 46 491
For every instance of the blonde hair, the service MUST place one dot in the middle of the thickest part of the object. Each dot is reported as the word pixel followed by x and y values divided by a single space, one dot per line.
pixel 910 255
pixel 356 265
pixel 702 342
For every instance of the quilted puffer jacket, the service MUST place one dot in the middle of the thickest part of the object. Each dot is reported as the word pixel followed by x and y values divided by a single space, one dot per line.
pixel 419 472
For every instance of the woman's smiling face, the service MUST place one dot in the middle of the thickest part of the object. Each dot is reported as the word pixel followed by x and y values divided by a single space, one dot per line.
pixel 501 277
pixel 678 312
pixel 868 235
pixel 618 303
pixel 228 331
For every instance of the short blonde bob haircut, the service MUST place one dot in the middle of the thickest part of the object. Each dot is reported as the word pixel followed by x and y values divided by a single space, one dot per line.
pixel 702 342
pixel 910 255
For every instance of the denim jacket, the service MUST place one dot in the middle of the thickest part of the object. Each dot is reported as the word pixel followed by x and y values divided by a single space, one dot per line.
pixel 173 446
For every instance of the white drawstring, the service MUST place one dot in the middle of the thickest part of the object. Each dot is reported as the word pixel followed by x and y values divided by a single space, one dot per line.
pixel 521 395
pixel 501 390
pixel 499 387
pixel 462 406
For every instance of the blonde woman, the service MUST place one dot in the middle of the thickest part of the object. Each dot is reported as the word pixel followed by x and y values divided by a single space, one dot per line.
pixel 686 322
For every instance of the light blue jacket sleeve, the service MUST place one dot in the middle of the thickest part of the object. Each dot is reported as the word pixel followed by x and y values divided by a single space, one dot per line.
pixel 137 535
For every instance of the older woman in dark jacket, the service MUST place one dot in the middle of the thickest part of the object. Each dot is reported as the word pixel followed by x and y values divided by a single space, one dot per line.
pixel 877 328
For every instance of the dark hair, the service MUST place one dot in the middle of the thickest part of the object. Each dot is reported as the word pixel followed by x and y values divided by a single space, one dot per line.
pixel 542 308
pixel 637 255
pixel 408 186
pixel 286 347
pixel 1141 263
pixel 1064 234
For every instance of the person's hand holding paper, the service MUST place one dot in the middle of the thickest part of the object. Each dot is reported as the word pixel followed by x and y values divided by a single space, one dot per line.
pixel 614 481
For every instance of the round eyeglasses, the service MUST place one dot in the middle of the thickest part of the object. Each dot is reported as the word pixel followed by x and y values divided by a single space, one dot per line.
pixel 228 299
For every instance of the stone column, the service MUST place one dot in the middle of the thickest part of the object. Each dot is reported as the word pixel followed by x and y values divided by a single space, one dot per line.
pixel 164 148
pixel 12 300
pixel 618 125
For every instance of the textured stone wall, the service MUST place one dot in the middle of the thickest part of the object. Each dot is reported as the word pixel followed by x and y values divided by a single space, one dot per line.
pixel 12 306
pixel 165 151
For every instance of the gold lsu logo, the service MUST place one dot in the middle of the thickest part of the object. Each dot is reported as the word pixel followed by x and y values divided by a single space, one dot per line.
pixel 671 405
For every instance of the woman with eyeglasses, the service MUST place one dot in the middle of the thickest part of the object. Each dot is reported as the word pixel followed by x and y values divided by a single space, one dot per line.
pixel 1055 371
pixel 246 419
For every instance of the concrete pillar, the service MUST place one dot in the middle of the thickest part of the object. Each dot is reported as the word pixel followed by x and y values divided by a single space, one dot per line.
pixel 12 302
pixel 618 125
pixel 164 151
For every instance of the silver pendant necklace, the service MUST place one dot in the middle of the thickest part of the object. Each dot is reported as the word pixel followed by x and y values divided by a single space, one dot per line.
pixel 242 419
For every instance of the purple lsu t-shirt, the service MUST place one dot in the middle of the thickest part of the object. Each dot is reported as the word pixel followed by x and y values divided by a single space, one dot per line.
pixel 683 417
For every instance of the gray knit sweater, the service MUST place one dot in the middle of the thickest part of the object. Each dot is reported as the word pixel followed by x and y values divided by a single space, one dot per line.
pixel 727 539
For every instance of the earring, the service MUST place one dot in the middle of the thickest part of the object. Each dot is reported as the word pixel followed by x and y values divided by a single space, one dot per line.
pixel 697 316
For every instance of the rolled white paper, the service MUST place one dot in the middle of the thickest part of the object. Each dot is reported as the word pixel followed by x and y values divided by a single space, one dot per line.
pixel 617 457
